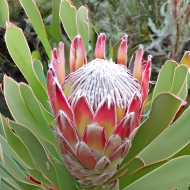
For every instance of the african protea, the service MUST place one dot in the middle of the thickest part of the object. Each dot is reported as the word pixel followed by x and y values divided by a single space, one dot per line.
pixel 97 109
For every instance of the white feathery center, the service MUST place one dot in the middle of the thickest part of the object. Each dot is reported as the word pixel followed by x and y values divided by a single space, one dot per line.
pixel 100 79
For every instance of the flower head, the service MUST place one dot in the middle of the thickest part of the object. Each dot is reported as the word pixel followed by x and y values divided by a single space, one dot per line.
pixel 97 109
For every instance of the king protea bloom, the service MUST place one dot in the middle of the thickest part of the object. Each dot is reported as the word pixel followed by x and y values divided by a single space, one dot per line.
pixel 97 109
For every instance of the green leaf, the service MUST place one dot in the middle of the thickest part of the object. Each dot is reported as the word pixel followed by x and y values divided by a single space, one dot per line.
pixel 67 54
pixel 1 128
pixel 66 182
pixel 165 78
pixel 37 175
pixel 6 149
pixel 55 32
pixel 27 114
pixel 36 55
pixel 126 180
pixel 38 70
pixel 14 169
pixel 4 13
pixel 166 145
pixel 82 25
pixel 114 51
pixel 131 52
pixel 6 174
pixel 180 76
pixel 6 184
pixel 22 57
pixel 49 117
pixel 37 151
pixel 172 175
pixel 67 14
pixel 35 111
pixel 162 113
pixel 16 144
pixel 130 168
pixel 32 172
pixel 188 80
pixel 52 150
pixel 94 37
pixel 36 19
pixel 184 91
pixel 186 61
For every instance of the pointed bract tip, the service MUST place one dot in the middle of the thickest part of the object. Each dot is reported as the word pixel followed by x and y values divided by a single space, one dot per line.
pixel 138 68
pixel 54 53
pixel 100 47
pixel 77 54
pixel 122 51
pixel 125 37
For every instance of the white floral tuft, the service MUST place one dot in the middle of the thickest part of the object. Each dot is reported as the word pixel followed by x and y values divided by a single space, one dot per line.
pixel 101 78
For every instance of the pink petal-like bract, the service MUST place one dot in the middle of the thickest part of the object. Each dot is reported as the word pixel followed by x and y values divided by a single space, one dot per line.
pixel 54 53
pixel 106 115
pixel 85 156
pixel 50 84
pixel 77 54
pixel 122 51
pixel 145 80
pixel 94 137
pixel 137 71
pixel 123 129
pixel 82 115
pixel 61 65
pixel 55 66
pixel 113 143
pixel 100 47
pixel 62 102
pixel 117 154
pixel 67 130
pixel 135 106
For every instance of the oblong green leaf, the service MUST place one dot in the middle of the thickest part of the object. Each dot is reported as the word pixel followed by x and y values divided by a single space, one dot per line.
pixel 21 112
pixel 36 19
pixel 66 182
pixel 174 138
pixel 7 150
pixel 38 70
pixel 180 77
pixel 4 13
pixel 15 169
pixel 114 50
pixel 186 61
pixel 165 78
pixel 16 144
pixel 172 175
pixel 163 110
pixel 34 109
pixel 183 91
pixel 130 168
pixel 36 174
pixel 1 128
pixel 20 53
pixel 38 153
pixel 126 180
pixel 55 31
pixel 82 25
pixel 67 14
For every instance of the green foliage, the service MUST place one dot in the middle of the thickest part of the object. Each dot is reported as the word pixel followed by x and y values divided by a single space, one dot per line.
pixel 68 12
pixel 4 13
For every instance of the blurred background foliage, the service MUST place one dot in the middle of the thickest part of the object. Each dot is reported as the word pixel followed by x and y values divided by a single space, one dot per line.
pixel 162 27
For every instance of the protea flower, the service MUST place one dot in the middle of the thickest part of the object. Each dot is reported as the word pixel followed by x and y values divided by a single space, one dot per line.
pixel 97 109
